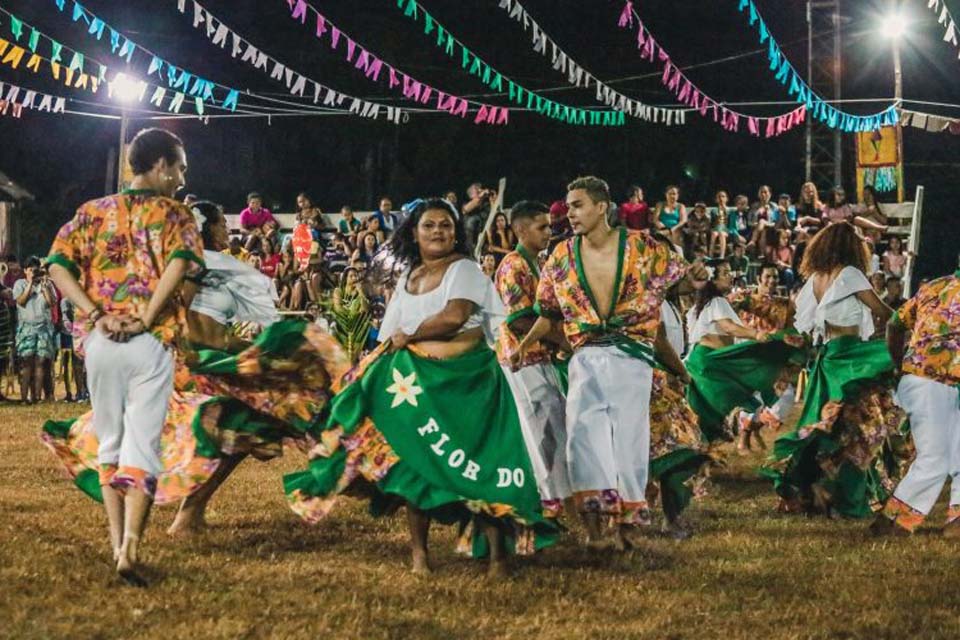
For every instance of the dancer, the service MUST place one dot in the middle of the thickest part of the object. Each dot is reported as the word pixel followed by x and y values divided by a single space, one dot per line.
pixel 428 418
pixel 535 382
pixel 928 393
pixel 142 242
pixel 246 401
pixel 606 286
pixel 845 454
pixel 727 375
pixel 763 310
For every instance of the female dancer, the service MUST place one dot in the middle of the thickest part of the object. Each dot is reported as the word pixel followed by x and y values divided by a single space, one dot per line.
pixel 428 418
pixel 243 404
pixel 846 452
pixel 727 375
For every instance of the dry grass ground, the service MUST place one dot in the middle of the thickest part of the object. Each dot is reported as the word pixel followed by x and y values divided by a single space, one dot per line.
pixel 260 573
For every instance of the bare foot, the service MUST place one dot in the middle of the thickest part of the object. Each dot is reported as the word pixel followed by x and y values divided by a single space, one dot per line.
pixel 127 561
pixel 421 564
pixel 498 569
pixel 187 523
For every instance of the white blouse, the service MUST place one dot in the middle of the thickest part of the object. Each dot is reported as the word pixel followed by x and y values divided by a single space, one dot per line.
pixel 706 323
pixel 839 306
pixel 233 291
pixel 672 326
pixel 463 280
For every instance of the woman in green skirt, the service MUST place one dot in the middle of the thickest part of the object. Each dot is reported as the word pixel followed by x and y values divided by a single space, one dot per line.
pixel 427 421
pixel 847 450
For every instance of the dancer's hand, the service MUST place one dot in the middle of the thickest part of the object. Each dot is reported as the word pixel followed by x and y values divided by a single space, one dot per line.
pixel 399 340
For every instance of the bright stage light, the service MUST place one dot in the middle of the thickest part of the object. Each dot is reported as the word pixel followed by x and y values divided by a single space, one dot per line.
pixel 126 89
pixel 894 25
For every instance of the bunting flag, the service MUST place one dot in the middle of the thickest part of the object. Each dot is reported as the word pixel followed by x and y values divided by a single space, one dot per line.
pixel 930 122
pixel 577 76
pixel 376 70
pixel 14 99
pixel 689 94
pixel 183 83
pixel 801 91
pixel 945 19
pixel 297 84
pixel 494 80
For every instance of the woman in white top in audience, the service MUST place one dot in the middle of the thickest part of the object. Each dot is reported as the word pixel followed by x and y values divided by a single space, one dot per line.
pixel 428 420
pixel 846 452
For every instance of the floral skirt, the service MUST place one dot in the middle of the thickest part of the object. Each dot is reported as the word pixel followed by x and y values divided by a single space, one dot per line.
pixel 402 431
pixel 224 411
pixel 851 445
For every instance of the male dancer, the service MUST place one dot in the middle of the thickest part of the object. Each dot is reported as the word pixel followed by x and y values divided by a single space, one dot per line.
pixel 535 381
pixel 121 261
pixel 763 310
pixel 606 287
pixel 928 393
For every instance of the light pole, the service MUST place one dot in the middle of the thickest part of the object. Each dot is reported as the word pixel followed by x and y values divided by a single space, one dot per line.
pixel 894 26
pixel 125 90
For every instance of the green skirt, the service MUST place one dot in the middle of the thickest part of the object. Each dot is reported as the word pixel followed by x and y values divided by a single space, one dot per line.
pixel 442 435
pixel 850 446
pixel 730 377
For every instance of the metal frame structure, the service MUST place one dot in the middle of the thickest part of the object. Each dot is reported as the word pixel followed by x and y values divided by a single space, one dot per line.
pixel 824 146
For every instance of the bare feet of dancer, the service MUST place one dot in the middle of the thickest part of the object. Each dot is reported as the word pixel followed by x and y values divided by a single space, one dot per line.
pixel 419 524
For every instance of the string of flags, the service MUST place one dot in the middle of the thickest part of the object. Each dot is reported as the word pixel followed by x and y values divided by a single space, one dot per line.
pixel 376 69
pixel 929 122
pixel 787 75
pixel 14 99
pixel 689 94
pixel 577 76
pixel 494 80
pixel 296 83
pixel 945 18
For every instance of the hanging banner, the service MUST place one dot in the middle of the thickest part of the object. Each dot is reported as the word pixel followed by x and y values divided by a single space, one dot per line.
pixel 494 80
pixel 296 83
pixel 577 76
pixel 377 70
pixel 878 161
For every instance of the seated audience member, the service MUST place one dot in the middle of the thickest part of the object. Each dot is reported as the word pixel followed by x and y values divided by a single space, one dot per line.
pixel 696 232
pixel 287 275
pixel 255 215
pixel 348 226
pixel 894 259
pixel 309 215
pixel 785 215
pixel 367 247
pixel 670 216
pixel 488 264
pixel 500 239
pixel 809 209
pixel 869 211
pixel 372 225
pixel 894 294
pixel 237 250
pixel 634 213
pixel 388 221
pixel 725 228
pixel 451 197
pixel 738 264
pixel 783 258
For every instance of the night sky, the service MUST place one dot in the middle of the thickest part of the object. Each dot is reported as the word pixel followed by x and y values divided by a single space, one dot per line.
pixel 347 160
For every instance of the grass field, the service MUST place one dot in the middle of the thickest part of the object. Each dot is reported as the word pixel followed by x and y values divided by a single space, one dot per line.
pixel 261 573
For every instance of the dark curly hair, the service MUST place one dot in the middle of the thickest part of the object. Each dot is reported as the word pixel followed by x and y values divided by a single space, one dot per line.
pixel 836 246
pixel 213 213
pixel 403 244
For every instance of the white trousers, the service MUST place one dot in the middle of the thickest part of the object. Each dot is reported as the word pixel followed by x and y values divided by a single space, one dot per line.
pixel 934 412
pixel 608 422
pixel 542 409
pixel 130 385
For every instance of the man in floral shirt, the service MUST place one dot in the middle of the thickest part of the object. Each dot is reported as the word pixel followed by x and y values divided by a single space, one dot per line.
pixel 534 381
pixel 606 286
pixel 121 261
pixel 928 393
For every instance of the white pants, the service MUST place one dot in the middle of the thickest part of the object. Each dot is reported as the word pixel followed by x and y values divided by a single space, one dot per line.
pixel 542 409
pixel 934 412
pixel 130 385
pixel 608 422
pixel 781 407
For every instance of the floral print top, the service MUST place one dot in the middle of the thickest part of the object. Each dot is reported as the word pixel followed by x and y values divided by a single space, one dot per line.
pixel 933 317
pixel 516 282
pixel 762 312
pixel 118 246
pixel 646 269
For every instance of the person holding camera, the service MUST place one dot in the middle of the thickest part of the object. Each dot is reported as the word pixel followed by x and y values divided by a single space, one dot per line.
pixel 476 211
pixel 35 342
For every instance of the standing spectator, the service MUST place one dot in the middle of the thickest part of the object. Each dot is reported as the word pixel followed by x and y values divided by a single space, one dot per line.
pixel 783 258
pixel 387 220
pixel 894 259
pixel 36 345
pixel 671 215
pixel 451 197
pixel 71 364
pixel 475 212
pixel 348 225
pixel 500 239
pixel 560 228
pixel 254 216
pixel 635 213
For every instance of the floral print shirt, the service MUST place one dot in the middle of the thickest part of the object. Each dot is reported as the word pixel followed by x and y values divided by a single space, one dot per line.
pixel 516 282
pixel 762 312
pixel 933 317
pixel 646 269
pixel 118 246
